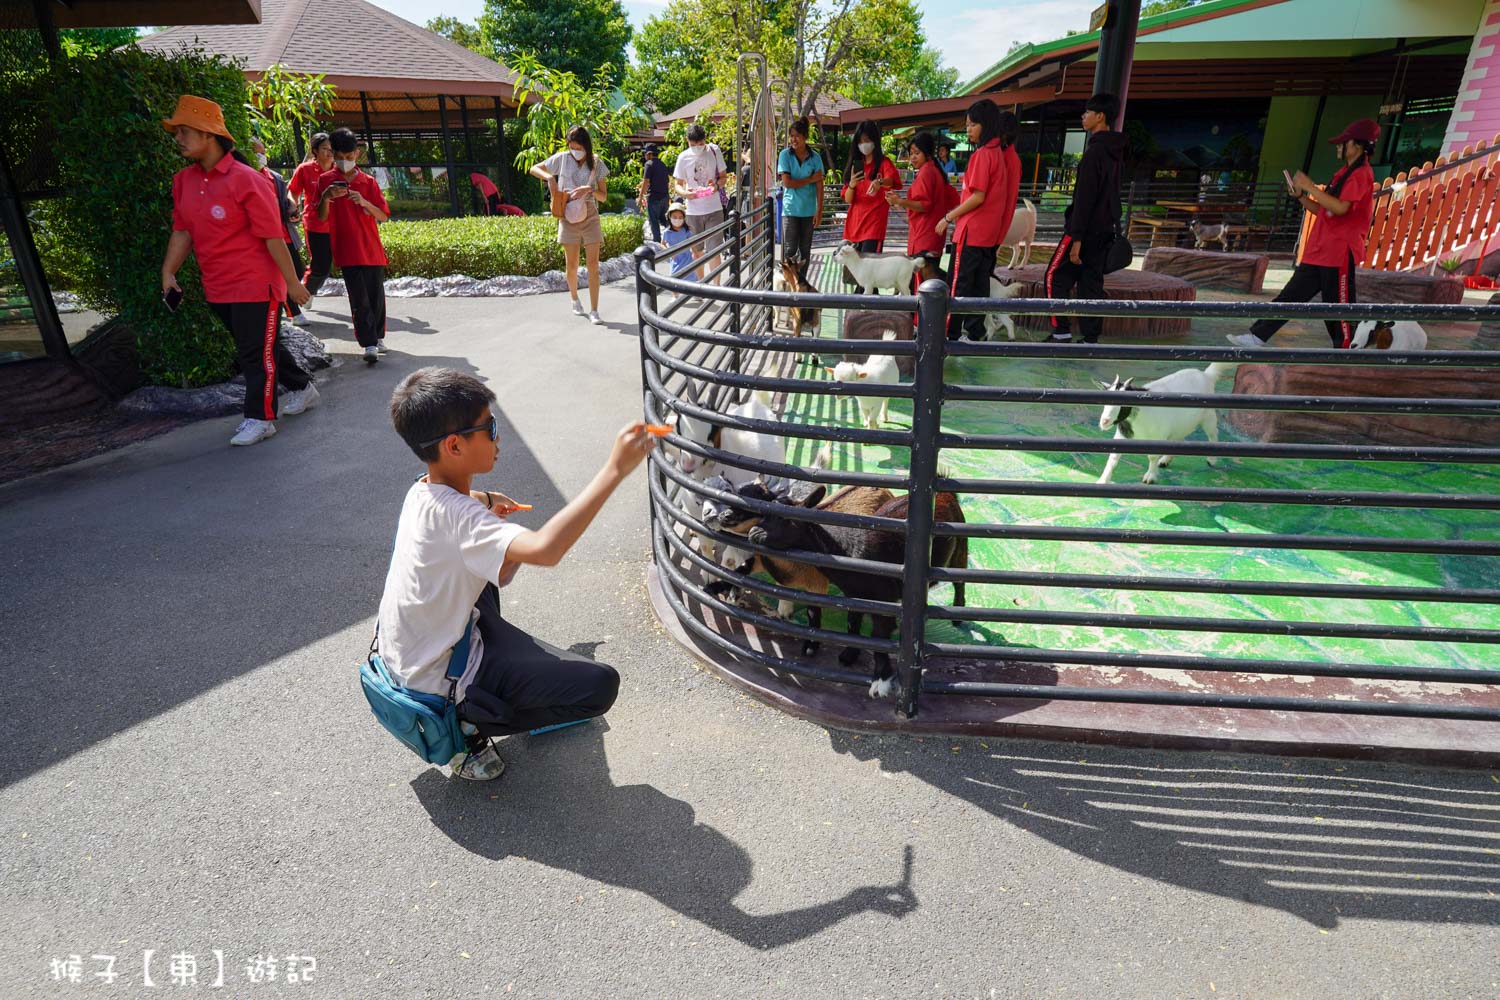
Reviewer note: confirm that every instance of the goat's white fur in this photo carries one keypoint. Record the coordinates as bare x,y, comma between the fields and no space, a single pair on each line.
1021,234
1406,335
876,271
751,444
879,369
994,321
1166,423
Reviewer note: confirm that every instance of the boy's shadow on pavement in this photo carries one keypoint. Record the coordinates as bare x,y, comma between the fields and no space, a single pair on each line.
654,844
1323,840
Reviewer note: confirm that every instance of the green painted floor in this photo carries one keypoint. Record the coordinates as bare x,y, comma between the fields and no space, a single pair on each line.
1238,563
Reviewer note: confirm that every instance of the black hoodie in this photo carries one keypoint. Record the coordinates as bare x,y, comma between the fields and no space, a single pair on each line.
1096,195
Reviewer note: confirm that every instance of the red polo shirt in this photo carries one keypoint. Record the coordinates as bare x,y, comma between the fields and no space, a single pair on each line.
230,212
304,185
1335,237
353,232
870,213
932,188
986,225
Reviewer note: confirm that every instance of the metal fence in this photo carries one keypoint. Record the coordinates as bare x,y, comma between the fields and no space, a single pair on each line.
715,344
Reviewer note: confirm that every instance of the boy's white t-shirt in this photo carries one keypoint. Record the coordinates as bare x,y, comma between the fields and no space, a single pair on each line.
448,547
700,167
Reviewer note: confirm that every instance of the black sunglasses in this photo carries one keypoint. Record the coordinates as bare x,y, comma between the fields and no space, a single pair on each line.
492,425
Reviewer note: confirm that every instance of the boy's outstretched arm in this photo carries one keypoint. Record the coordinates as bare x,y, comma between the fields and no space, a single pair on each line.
548,544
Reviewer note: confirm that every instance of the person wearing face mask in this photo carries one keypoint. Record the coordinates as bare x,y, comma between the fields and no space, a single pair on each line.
304,188
224,214
987,203
288,219
869,175
353,205
1336,244
801,171
928,200
698,177
577,171
678,231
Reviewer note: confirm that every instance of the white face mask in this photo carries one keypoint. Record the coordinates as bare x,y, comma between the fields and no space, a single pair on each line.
260,159
347,166
578,154
677,223
867,148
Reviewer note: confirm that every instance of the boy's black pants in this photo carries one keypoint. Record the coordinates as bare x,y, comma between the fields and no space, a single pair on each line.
1334,284
971,278
1064,277
523,683
320,261
256,329
365,284
291,307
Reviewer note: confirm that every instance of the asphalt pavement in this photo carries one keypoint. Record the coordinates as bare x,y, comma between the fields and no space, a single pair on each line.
191,770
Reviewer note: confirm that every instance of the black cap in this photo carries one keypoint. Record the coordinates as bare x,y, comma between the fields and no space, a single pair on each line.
651,147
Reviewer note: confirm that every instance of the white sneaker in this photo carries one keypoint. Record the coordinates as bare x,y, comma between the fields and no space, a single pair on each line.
299,320
252,431
486,765
380,347
372,354
1060,338
594,318
1245,340
577,308
300,401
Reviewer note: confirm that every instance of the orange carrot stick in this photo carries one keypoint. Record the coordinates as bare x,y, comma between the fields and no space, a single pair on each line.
660,430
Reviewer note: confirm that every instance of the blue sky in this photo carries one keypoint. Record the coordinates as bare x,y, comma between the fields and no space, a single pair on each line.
971,36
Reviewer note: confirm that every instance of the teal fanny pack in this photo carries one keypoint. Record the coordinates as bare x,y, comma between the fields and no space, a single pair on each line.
427,723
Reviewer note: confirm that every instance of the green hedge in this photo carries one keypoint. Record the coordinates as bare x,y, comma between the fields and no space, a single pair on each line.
107,234
483,247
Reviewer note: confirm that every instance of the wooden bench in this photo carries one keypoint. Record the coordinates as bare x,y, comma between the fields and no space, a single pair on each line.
1237,272
1404,286
1156,232
1127,284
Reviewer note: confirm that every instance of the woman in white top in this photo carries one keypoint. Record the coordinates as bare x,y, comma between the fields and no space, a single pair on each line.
580,175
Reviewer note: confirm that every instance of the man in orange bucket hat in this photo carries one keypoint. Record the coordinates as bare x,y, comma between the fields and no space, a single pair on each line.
224,213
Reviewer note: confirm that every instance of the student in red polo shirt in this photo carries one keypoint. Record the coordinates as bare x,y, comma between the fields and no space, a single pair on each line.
930,197
352,204
870,174
983,215
224,213
304,185
1336,244
288,219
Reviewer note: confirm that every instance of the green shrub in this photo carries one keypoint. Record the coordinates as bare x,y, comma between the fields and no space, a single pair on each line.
107,233
482,247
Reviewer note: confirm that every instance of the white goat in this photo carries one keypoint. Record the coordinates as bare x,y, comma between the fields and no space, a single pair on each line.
877,368
878,270
994,321
1162,423
751,444
1398,335
1021,234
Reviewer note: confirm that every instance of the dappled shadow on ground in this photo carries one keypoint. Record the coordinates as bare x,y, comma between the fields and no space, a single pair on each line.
561,808
1322,840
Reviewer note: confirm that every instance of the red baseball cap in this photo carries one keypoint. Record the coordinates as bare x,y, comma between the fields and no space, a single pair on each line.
1364,130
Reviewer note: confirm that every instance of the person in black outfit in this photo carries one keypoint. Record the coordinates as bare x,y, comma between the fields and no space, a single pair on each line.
656,189
1091,220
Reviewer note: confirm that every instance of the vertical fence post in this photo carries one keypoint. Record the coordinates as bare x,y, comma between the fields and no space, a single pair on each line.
926,423
736,263
645,297
1129,210
768,279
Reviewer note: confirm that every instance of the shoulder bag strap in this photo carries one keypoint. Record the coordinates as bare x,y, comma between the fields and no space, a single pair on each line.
458,660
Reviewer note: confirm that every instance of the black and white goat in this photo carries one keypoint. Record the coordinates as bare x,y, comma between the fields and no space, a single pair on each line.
1162,423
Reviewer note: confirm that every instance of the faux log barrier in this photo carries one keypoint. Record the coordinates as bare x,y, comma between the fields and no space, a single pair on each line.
1127,284
870,325
1403,286
1366,428
1236,272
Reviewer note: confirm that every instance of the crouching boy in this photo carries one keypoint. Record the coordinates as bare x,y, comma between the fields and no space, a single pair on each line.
454,550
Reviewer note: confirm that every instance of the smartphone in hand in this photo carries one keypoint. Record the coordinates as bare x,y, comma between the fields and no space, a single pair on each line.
1291,188
173,298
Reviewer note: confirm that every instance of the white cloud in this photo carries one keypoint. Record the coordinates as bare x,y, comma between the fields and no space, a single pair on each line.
974,40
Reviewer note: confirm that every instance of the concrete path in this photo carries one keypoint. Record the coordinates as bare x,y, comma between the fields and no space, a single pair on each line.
191,768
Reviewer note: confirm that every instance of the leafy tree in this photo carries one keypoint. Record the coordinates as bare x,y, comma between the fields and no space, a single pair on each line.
672,62
283,103
562,101
1163,6
466,34
88,41
569,36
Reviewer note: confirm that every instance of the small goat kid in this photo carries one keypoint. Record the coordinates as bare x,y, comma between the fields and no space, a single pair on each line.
1203,235
1021,235
1162,423
879,369
751,444
994,321
1385,335
800,318
878,270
